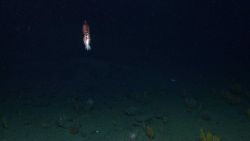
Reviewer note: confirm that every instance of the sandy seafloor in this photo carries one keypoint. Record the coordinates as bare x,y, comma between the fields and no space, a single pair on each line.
99,101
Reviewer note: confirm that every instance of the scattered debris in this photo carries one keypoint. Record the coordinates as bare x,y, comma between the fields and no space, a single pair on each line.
150,133
132,136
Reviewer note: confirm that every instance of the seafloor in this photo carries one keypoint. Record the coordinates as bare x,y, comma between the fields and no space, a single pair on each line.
95,100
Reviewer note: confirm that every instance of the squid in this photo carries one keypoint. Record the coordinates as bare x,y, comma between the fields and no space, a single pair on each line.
86,35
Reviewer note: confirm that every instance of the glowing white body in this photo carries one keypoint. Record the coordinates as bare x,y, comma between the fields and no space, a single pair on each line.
86,35
86,41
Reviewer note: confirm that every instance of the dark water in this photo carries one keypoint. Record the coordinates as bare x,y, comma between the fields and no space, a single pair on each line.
157,70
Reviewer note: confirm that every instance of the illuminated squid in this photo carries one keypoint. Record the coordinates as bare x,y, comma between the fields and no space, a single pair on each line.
86,35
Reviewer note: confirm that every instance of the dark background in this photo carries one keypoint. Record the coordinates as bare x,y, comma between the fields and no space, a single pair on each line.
164,34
